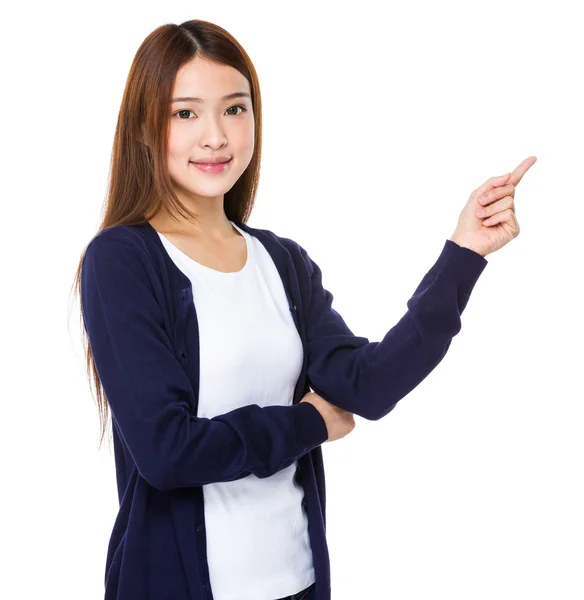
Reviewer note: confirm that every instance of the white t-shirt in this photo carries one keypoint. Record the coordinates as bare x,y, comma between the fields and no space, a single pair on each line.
258,546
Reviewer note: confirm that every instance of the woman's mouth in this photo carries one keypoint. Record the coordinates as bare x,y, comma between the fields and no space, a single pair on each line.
213,168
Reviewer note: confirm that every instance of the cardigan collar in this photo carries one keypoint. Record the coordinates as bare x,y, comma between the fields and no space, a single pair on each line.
279,253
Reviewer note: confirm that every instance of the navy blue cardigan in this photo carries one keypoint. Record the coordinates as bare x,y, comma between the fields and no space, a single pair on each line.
140,317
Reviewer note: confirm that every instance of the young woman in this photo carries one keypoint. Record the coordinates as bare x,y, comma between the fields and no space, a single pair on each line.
205,337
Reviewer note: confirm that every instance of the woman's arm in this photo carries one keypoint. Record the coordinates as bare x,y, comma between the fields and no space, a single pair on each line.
369,378
151,397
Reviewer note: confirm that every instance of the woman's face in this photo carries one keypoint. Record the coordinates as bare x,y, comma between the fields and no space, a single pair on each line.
212,127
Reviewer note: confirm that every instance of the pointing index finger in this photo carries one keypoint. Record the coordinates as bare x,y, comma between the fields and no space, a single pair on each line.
520,171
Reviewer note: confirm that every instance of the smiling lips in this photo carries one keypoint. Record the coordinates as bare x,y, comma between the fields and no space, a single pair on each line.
212,167
213,159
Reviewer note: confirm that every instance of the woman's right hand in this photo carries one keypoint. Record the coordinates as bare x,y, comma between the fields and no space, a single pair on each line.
338,422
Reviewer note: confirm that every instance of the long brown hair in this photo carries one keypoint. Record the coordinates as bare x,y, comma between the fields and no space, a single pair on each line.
139,182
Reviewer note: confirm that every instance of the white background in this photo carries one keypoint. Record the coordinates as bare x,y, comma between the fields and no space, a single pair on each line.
379,121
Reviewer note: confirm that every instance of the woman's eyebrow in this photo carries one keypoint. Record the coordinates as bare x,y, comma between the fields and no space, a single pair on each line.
194,99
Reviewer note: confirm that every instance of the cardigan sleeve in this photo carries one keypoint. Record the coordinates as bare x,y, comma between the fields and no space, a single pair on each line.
150,394
369,378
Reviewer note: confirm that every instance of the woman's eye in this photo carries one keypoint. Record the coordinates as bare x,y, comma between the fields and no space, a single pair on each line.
187,111
243,109
184,110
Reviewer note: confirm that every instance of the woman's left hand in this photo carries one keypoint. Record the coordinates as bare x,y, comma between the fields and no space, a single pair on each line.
488,220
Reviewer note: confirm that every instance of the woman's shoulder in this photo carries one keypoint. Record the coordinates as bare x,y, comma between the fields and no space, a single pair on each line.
262,233
122,235
129,244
